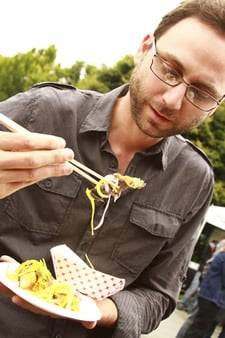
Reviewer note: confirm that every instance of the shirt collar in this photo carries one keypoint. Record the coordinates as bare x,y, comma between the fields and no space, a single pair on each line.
161,150
99,117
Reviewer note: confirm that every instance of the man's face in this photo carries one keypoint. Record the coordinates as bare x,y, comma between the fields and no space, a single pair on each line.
197,53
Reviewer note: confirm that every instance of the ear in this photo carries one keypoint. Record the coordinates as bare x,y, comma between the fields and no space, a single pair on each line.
144,47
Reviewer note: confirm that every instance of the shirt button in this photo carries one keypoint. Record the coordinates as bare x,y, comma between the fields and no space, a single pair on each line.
84,246
113,163
48,183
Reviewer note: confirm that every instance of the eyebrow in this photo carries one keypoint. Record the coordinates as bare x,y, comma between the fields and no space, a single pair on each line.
211,90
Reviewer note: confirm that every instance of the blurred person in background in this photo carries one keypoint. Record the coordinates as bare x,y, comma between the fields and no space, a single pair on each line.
188,301
211,299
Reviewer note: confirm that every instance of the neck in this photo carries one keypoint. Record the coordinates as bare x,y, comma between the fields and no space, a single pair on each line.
125,137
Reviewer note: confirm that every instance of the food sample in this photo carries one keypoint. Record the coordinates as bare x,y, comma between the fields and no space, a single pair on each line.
112,186
34,277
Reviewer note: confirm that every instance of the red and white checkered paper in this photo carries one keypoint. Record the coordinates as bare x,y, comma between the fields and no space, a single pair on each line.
69,268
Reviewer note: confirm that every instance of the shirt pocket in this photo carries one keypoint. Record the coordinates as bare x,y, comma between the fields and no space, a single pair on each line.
42,207
143,237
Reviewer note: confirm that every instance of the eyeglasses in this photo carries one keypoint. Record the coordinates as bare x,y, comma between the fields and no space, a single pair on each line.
197,97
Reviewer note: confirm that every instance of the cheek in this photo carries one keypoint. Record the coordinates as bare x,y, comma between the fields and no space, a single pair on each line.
147,81
149,85
155,87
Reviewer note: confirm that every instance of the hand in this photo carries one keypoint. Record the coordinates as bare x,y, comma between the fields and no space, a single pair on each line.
26,158
3,288
107,308
16,299
109,312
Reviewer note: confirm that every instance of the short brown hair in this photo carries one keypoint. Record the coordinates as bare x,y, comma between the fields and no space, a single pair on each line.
210,12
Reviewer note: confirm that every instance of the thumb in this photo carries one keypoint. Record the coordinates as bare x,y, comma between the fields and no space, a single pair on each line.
89,325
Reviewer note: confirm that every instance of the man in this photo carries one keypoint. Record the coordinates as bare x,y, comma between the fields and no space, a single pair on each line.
148,235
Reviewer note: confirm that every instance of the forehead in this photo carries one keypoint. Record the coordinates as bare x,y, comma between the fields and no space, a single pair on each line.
199,48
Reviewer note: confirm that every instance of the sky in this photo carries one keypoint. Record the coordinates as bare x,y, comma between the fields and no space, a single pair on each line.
94,31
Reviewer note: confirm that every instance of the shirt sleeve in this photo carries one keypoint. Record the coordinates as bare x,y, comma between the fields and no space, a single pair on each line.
138,308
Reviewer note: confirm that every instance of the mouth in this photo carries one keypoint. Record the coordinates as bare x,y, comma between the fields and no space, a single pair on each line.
158,116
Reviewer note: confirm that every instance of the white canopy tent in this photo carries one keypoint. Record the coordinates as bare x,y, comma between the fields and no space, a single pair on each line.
216,216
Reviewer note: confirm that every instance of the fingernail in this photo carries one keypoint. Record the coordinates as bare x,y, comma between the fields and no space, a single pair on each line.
67,168
60,142
69,154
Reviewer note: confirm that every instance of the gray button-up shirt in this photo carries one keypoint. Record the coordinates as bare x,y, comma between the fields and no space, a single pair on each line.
148,235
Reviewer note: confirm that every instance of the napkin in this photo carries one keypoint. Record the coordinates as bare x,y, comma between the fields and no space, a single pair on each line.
70,268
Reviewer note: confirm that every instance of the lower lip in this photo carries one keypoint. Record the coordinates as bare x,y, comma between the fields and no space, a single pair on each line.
157,117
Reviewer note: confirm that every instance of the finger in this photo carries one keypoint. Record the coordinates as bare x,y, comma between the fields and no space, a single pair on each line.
8,189
89,325
26,141
34,159
27,306
6,291
8,259
3,288
37,175
30,176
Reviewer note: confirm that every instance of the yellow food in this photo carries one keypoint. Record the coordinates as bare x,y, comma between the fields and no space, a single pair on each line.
112,186
34,276
129,182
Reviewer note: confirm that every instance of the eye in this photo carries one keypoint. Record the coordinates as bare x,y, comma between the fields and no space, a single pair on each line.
195,93
169,74
171,77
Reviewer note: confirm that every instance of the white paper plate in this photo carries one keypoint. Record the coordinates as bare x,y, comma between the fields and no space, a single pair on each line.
88,311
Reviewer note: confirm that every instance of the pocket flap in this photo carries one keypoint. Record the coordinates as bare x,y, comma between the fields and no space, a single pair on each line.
156,222
67,186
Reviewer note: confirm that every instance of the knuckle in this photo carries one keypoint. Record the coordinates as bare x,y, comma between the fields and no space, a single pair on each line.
27,141
32,161
58,156
31,175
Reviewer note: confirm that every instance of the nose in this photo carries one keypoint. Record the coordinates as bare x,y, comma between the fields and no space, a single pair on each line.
174,96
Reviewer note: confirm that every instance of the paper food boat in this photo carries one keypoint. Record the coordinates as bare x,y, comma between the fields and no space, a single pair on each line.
70,268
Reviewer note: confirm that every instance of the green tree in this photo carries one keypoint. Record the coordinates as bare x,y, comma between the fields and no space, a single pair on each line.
21,71
209,136
106,78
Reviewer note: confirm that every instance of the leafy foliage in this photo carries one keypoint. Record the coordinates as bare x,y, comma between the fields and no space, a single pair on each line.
105,78
20,72
209,136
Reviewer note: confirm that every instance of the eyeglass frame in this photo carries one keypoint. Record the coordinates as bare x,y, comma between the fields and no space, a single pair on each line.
181,80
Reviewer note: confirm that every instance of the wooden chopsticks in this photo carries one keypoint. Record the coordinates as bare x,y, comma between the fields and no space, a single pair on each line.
81,169
11,125
78,167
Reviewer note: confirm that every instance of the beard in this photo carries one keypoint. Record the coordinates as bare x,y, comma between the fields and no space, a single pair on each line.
139,99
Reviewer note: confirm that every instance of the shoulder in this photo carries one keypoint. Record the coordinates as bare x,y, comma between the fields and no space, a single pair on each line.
192,167
47,105
189,148
56,85
63,91
220,257
192,162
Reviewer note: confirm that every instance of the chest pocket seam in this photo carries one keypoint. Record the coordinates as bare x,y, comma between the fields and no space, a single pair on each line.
144,219
67,190
58,199
155,221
